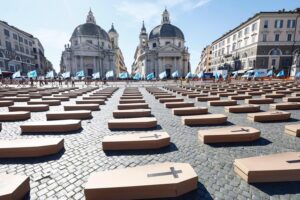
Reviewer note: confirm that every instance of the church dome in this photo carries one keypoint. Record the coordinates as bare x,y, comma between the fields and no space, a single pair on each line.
89,29
166,31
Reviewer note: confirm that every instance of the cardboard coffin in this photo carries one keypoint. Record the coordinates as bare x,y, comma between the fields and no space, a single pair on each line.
230,134
31,108
240,97
259,101
133,106
166,100
57,126
91,101
92,107
61,98
133,123
6,103
146,140
208,98
126,101
13,187
189,111
293,129
48,102
178,104
207,119
14,116
285,106
222,103
269,116
291,99
143,182
132,113
78,114
280,167
242,108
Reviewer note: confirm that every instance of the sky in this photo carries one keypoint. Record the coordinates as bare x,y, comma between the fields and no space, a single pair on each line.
202,21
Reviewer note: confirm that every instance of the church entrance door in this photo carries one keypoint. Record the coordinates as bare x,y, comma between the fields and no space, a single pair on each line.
168,71
90,72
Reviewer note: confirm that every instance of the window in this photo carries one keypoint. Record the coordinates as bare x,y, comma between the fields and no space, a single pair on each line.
8,45
75,42
154,45
276,37
6,32
15,36
233,46
246,31
278,23
275,52
253,38
20,39
228,49
25,41
228,40
291,23
30,43
27,51
254,27
264,39
234,36
246,41
179,44
289,37
266,24
240,34
16,47
22,49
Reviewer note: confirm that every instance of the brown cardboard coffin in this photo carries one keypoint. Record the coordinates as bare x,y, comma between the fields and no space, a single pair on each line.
285,106
96,97
61,98
280,167
15,99
208,98
189,111
91,101
133,106
36,147
259,101
131,97
57,126
126,101
269,116
77,114
242,108
132,113
166,100
165,96
92,107
178,104
133,123
240,97
208,119
143,182
197,95
145,140
222,103
6,103
274,96
48,102
291,99
293,129
31,108
230,134
14,116
13,187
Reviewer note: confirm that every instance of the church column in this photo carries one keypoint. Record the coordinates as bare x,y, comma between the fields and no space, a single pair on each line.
75,64
94,68
81,62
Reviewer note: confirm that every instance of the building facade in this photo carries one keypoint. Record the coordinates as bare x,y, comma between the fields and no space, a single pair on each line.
266,40
20,50
92,50
204,64
163,50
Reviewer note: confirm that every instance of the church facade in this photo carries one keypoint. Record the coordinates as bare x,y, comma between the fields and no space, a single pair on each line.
163,50
92,50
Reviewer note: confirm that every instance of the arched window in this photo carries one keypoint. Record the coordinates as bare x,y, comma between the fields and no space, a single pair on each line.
18,58
154,45
275,52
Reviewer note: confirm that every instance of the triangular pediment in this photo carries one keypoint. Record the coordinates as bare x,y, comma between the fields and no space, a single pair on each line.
86,47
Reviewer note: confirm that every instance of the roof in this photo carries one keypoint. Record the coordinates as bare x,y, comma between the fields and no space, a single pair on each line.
166,30
90,29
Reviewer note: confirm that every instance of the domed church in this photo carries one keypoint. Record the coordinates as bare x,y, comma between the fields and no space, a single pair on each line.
92,50
163,50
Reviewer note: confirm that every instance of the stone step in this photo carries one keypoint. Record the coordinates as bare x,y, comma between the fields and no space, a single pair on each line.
149,182
147,140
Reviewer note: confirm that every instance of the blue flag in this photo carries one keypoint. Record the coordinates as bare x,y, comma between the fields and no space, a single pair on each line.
270,73
297,75
32,74
137,76
96,75
123,75
200,75
50,74
150,76
80,73
281,73
16,74
175,74
109,74
66,75
217,76
163,75
189,75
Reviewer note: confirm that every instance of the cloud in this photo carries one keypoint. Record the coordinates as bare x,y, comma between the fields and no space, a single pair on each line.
201,3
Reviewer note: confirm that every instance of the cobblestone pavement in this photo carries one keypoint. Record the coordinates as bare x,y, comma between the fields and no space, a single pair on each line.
63,176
